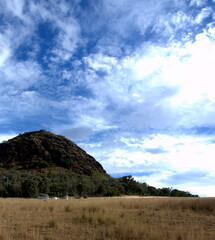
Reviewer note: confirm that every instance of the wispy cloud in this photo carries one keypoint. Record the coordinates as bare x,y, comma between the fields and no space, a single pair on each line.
198,3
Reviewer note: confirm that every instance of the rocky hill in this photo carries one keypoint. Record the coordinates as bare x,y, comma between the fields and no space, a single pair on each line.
42,162
43,149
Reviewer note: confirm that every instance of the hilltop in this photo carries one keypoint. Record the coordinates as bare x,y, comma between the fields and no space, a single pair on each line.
45,150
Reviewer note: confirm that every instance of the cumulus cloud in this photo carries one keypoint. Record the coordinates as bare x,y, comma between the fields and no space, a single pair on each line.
156,82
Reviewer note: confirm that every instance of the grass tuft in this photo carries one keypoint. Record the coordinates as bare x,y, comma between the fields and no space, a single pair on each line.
68,208
52,223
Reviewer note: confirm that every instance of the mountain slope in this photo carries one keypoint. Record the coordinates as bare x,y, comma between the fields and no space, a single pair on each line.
43,149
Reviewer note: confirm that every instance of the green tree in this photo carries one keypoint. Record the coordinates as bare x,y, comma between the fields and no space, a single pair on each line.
44,185
152,191
101,191
81,189
29,188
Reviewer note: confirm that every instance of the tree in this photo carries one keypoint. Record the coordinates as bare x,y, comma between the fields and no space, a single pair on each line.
81,189
101,191
29,188
152,191
44,185
129,184
164,192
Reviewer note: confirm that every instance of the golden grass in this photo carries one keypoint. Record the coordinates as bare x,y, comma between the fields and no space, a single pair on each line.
108,218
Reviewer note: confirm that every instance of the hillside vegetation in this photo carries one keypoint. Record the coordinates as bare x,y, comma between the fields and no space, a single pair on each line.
42,162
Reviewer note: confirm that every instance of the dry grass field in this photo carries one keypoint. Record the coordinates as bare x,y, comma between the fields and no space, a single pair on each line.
108,218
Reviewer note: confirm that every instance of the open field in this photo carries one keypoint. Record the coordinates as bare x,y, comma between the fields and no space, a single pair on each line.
108,218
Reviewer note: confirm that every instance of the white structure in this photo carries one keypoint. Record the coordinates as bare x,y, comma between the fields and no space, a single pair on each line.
65,197
42,196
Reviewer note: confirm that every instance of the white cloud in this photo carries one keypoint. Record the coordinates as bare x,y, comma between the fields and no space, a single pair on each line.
15,7
154,180
198,3
187,156
60,15
5,137
5,51
133,91
18,105
19,75
181,19
195,72
69,36
153,78
6,45
148,65
168,19
101,62
181,152
29,16
203,191
95,123
112,46
205,12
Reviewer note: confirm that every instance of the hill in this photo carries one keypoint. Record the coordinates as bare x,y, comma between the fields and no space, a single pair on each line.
43,149
43,162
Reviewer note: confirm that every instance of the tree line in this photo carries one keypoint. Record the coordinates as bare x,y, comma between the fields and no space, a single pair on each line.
29,184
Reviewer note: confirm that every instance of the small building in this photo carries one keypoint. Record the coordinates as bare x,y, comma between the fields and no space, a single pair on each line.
42,196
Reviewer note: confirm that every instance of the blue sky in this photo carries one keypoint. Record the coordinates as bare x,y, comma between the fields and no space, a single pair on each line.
131,82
